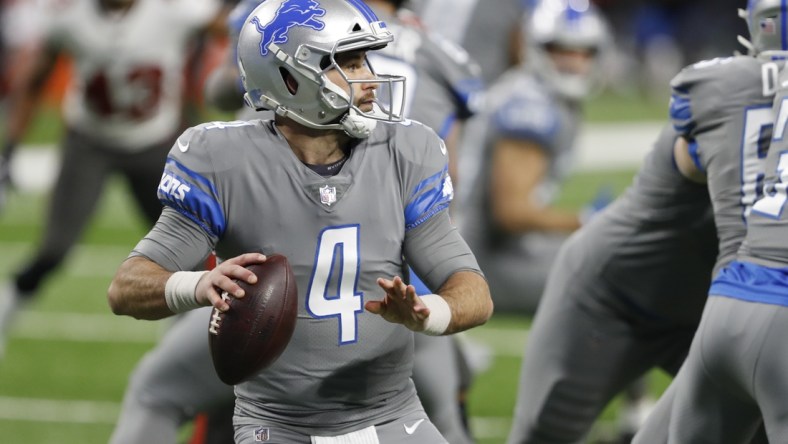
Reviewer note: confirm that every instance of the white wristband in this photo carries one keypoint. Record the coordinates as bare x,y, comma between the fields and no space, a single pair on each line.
179,292
440,314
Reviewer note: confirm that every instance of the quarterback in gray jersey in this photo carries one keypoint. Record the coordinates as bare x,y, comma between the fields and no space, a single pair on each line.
723,109
533,116
344,199
439,92
624,295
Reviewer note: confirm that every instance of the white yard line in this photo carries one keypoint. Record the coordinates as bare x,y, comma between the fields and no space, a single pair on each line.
50,410
84,261
78,327
601,146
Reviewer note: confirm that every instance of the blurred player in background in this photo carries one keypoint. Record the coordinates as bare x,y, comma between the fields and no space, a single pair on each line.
723,110
624,295
122,112
345,376
19,28
533,115
441,86
490,31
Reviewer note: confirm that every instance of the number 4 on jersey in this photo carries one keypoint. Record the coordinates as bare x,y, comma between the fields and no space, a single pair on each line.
332,289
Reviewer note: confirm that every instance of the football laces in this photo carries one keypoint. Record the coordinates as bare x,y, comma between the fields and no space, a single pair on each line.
216,317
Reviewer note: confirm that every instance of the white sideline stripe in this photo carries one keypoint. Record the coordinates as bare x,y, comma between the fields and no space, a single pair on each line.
50,410
503,341
78,327
85,260
489,427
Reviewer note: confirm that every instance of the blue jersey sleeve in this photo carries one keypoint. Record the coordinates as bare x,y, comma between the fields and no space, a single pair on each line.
187,184
429,188
528,118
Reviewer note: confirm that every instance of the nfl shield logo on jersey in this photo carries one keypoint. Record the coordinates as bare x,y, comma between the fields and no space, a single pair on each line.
261,434
328,195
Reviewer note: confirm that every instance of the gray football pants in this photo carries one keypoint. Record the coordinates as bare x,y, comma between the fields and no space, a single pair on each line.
580,353
733,381
84,171
412,428
171,384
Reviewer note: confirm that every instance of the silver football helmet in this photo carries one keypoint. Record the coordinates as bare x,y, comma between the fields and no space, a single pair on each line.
297,40
765,21
567,24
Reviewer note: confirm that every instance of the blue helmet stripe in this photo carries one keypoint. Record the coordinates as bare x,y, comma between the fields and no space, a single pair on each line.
572,14
784,19
365,10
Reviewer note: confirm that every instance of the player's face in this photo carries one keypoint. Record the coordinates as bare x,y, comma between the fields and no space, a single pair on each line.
354,65
571,60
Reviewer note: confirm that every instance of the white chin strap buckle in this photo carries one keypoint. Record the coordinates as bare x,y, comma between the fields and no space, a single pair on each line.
358,126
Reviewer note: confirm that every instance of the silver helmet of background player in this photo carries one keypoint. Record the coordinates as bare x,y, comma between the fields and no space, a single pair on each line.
299,39
568,25
767,29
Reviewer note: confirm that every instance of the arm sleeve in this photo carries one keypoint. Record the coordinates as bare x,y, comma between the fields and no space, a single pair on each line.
428,190
175,242
189,185
533,119
435,250
696,92
432,246
460,74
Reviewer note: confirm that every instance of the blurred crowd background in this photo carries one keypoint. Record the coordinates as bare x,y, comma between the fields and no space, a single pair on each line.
653,38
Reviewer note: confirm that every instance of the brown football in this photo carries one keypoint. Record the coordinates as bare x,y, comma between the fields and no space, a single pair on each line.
257,328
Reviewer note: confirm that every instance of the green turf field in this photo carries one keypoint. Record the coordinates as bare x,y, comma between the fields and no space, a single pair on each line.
68,358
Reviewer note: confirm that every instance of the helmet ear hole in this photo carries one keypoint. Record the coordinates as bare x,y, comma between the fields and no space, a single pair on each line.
290,82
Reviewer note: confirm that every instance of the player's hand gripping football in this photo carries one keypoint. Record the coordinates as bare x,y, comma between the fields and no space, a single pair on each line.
401,305
221,278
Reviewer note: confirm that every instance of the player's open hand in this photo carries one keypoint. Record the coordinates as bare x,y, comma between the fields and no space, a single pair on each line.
222,278
401,305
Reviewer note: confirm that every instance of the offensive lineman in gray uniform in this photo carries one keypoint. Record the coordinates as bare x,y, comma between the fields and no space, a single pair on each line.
723,110
624,295
737,362
533,114
441,86
324,168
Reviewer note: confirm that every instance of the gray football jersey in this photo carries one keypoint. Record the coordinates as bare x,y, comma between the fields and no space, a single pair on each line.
654,247
442,84
519,107
723,108
237,187
484,29
767,231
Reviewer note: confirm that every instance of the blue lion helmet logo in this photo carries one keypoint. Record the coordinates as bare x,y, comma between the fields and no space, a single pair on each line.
290,13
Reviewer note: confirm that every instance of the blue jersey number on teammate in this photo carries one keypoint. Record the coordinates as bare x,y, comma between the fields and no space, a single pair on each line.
753,155
775,194
333,287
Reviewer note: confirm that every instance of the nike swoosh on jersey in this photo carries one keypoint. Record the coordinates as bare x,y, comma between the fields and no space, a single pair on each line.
183,146
410,430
